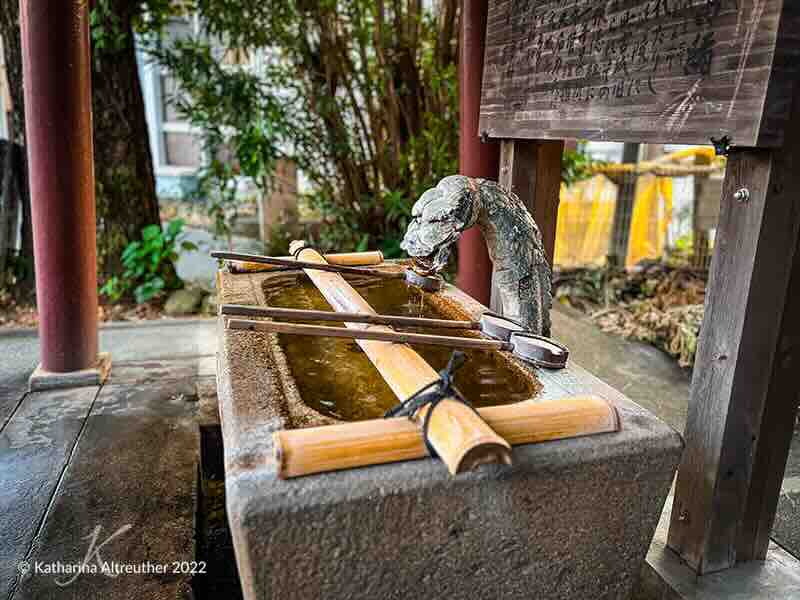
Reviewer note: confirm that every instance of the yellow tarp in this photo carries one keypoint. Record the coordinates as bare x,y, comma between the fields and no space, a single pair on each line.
586,214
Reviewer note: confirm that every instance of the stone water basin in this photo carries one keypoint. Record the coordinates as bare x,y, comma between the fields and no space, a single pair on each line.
339,381
570,519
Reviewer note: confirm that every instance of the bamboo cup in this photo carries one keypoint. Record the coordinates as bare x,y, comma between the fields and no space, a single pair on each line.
334,447
460,437
346,259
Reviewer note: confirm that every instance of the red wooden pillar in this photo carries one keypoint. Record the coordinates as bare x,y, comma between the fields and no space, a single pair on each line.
476,159
58,125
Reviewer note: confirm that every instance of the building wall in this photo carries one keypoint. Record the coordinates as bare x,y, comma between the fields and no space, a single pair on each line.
175,146
5,98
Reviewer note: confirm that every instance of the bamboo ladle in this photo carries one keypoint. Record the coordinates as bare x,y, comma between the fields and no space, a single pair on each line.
347,259
241,310
299,264
493,325
540,351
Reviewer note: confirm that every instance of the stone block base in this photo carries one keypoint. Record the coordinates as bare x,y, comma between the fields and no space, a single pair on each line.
48,380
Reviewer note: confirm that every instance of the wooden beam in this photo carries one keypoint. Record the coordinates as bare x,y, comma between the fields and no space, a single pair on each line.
777,427
532,170
745,386
461,438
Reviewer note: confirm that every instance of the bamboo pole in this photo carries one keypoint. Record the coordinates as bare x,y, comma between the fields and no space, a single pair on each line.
274,312
292,263
348,259
372,333
460,437
334,447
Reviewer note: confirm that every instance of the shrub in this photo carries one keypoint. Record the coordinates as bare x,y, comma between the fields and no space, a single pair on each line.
149,264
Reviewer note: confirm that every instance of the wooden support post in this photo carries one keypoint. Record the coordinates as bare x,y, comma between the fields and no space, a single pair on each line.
700,220
461,438
745,386
777,426
56,62
477,157
532,170
623,210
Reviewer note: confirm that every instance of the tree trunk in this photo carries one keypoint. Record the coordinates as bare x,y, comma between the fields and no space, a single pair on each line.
15,174
9,31
125,188
125,184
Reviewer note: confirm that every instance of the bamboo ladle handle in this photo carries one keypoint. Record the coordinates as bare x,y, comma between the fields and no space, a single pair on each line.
299,264
369,333
275,312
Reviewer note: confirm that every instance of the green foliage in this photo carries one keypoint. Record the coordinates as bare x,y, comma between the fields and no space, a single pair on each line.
278,241
363,96
242,124
108,20
149,264
576,165
107,28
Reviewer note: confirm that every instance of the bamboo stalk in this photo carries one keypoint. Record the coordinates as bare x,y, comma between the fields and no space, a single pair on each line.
334,447
326,315
349,259
298,264
395,337
460,437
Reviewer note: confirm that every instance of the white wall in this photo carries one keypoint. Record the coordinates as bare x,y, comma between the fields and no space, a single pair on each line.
5,97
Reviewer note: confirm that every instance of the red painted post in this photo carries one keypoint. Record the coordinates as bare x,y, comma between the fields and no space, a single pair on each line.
58,125
476,159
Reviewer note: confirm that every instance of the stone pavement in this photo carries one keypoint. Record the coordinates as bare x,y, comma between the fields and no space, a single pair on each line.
653,380
107,472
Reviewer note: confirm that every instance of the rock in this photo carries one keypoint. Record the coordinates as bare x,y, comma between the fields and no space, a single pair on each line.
183,302
209,305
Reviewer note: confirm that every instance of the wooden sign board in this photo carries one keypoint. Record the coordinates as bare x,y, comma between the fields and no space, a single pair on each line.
658,71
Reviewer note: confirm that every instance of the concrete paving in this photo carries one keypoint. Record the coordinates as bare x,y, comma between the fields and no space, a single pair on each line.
117,456
667,577
131,483
642,372
165,338
198,267
107,473
655,381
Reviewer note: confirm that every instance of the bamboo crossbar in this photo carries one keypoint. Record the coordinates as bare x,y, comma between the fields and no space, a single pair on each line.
396,337
301,452
349,259
326,315
460,437
298,264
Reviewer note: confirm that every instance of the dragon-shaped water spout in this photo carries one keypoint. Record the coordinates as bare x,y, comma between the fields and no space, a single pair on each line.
522,274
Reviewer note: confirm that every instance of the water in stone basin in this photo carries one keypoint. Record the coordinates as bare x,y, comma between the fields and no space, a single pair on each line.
336,378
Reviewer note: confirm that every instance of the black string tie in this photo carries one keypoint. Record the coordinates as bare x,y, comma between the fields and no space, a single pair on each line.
433,394
297,252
